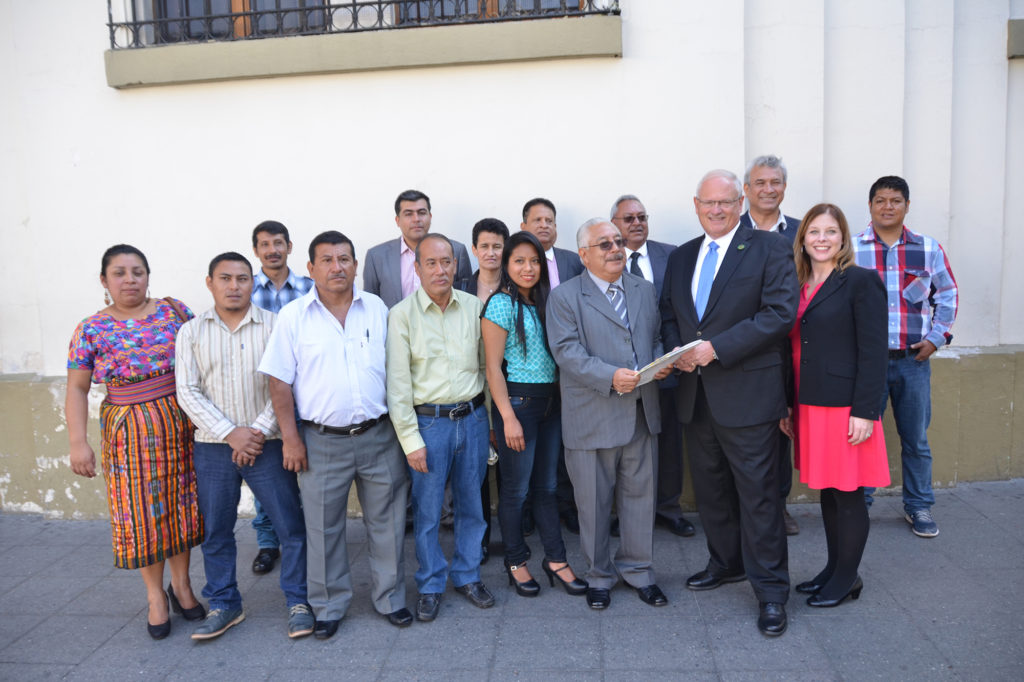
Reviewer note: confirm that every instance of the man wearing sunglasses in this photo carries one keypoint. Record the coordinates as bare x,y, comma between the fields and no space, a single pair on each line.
735,290
602,326
647,258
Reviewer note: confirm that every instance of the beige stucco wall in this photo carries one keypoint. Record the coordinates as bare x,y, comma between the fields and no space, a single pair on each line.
976,435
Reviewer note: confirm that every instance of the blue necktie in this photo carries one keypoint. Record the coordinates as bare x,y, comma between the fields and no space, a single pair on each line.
707,278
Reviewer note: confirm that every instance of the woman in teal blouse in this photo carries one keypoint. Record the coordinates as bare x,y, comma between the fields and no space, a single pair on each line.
526,412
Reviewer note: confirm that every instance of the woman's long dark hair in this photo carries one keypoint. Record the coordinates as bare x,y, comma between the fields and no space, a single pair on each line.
540,290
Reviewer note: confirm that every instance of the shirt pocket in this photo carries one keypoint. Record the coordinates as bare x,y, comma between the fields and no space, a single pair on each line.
917,285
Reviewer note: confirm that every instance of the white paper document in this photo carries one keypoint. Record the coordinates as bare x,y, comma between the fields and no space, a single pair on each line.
647,373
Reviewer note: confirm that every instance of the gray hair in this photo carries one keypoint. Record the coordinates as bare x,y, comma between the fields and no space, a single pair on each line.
624,197
583,233
766,161
720,173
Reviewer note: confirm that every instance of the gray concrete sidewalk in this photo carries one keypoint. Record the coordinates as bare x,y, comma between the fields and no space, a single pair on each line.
948,608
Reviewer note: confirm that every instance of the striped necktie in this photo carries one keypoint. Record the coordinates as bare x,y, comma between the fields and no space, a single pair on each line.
618,300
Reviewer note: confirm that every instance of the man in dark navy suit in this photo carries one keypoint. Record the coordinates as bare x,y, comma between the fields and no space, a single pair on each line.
764,185
648,258
735,291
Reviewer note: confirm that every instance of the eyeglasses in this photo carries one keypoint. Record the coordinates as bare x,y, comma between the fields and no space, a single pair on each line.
724,203
638,218
607,245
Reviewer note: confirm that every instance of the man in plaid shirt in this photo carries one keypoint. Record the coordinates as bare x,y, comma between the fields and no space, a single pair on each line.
274,285
922,298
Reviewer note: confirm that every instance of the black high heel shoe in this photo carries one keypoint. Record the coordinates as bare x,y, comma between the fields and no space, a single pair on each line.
159,631
197,612
528,588
576,586
854,593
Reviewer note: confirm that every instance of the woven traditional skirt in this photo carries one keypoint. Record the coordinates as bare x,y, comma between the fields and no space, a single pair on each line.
151,483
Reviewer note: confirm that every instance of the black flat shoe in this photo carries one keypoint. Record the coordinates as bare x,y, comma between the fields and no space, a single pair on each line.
771,621
427,607
598,598
652,595
818,601
325,629
575,587
197,612
527,588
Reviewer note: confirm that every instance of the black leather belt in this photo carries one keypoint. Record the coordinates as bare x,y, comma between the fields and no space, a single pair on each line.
902,353
454,412
350,430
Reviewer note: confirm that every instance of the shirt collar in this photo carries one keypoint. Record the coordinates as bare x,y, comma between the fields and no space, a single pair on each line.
723,242
263,280
908,237
403,248
424,301
211,315
311,296
642,251
603,284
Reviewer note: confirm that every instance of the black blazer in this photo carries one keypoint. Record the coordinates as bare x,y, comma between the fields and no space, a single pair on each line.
843,344
751,308
789,231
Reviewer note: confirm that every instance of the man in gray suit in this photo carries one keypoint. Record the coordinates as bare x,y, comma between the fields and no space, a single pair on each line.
764,185
647,258
389,271
602,326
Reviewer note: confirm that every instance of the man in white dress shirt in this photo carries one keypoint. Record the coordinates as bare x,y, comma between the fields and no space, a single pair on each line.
326,359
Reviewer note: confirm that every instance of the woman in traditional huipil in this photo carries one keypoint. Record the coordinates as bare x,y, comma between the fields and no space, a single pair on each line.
146,438
839,352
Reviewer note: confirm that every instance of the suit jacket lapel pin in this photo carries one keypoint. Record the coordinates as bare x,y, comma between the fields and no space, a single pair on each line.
740,247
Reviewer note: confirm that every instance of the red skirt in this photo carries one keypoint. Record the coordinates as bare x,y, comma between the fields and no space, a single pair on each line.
826,459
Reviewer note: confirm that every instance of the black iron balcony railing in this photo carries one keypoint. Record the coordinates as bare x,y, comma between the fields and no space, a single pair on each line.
142,23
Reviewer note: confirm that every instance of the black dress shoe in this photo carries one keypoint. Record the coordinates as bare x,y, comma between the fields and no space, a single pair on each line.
598,598
427,607
478,594
572,523
400,618
809,587
264,561
772,619
817,600
614,529
706,580
325,629
680,526
652,595
197,612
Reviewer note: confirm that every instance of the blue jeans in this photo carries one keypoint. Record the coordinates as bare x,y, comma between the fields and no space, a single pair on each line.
533,470
218,484
910,389
266,538
458,448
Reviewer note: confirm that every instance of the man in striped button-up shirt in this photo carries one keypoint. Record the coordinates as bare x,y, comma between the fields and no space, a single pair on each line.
237,438
922,301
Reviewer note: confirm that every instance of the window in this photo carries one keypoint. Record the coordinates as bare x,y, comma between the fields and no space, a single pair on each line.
140,23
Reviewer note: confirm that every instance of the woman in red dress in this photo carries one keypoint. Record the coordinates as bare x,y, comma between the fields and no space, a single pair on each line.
839,353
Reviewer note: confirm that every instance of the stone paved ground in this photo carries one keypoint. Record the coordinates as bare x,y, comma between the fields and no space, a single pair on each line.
948,608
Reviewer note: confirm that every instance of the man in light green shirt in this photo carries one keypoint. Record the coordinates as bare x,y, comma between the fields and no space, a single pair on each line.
435,381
